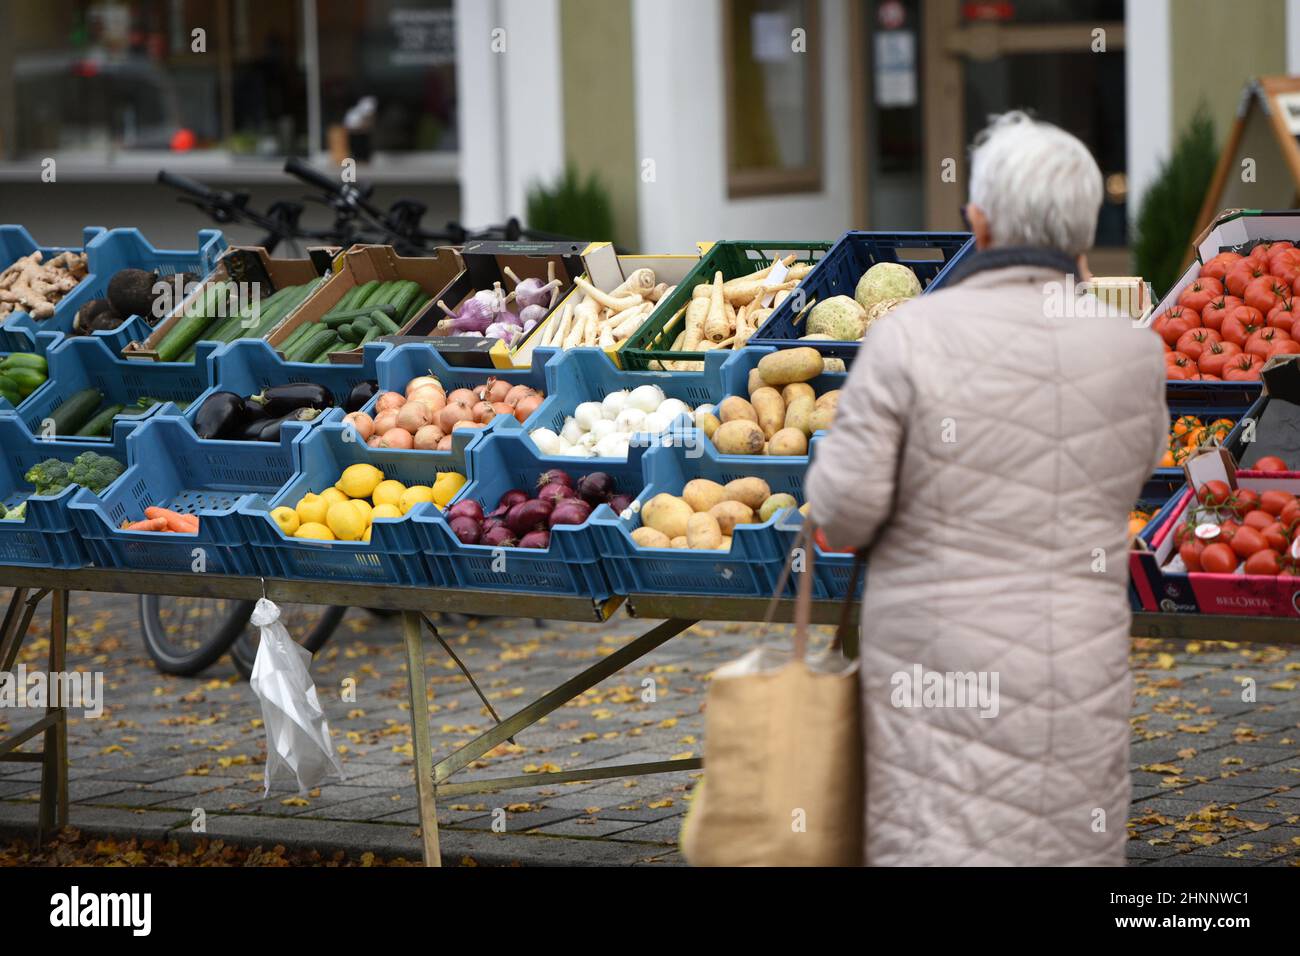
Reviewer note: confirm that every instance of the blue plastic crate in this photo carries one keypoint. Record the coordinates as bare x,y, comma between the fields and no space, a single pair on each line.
413,359
246,366
169,466
46,538
1170,479
1212,394
107,252
394,553
15,243
21,340
86,362
753,563
498,462
931,255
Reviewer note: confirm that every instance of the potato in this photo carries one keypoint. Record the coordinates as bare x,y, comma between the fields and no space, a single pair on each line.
774,504
791,365
755,381
734,408
767,402
749,491
680,541
788,441
702,494
728,514
799,415
797,390
739,437
829,399
821,419
726,543
650,538
667,514
703,533
707,423
835,365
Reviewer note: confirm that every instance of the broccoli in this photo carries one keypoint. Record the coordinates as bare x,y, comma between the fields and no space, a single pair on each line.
18,513
49,476
94,471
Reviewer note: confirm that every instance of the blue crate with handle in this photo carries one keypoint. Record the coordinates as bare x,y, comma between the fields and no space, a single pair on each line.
571,565
412,360
21,340
107,253
85,362
393,555
45,538
931,255
752,565
17,243
170,467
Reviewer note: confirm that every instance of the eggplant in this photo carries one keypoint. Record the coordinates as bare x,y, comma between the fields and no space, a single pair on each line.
220,415
270,429
361,393
280,400
254,412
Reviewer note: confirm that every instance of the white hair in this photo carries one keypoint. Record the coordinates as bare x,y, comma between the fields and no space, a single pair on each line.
1037,184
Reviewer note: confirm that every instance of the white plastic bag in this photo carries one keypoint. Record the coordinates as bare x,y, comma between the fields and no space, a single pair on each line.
297,733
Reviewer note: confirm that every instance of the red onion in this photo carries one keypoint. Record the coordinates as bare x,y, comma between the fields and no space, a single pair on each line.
596,487
511,498
555,491
498,536
621,503
469,508
554,476
570,512
536,539
529,515
466,529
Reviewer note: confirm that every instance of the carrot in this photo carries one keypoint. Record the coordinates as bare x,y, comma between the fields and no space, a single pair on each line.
148,524
175,521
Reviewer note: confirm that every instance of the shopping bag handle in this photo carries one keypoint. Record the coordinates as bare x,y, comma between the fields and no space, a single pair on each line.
803,594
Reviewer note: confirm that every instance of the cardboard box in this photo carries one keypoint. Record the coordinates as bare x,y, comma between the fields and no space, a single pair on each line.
606,270
239,263
1131,295
362,264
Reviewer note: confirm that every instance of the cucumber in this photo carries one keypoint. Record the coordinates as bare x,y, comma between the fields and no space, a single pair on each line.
371,334
417,306
365,293
363,324
76,411
101,423
9,390
335,319
188,329
296,336
25,360
346,302
28,380
313,345
402,300
386,325
345,333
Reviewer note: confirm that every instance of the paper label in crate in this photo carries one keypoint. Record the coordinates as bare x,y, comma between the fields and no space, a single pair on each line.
774,278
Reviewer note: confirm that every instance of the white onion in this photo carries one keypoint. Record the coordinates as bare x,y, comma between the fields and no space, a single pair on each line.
571,431
587,440
603,428
614,403
587,414
646,397
672,407
547,442
612,446
630,420
656,423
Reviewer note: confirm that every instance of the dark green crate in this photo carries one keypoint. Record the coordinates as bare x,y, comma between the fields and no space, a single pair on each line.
734,258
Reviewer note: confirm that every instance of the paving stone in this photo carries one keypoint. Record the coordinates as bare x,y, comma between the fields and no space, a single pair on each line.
661,831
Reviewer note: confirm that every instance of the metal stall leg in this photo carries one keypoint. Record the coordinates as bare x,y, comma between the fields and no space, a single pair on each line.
419,687
54,759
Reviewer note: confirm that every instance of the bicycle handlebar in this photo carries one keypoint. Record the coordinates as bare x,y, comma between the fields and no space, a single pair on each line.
187,185
312,176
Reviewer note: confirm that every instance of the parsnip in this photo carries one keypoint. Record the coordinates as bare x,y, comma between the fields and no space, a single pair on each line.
716,326
696,314
640,282
609,302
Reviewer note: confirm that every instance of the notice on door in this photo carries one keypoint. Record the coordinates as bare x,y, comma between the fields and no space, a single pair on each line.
895,69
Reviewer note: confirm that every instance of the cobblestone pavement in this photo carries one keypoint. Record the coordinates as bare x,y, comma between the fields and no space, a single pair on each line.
1216,779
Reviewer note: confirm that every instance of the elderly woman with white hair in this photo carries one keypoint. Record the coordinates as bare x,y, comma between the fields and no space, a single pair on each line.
987,450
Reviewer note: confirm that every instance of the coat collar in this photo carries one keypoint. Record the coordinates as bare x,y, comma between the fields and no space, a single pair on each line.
1003,259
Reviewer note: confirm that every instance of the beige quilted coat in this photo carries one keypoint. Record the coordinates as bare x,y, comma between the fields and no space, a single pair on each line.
992,454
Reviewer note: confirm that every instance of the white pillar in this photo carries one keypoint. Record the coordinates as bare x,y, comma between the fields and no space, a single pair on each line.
1149,94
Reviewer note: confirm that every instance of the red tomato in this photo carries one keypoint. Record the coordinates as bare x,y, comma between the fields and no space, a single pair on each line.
1285,264
1218,266
1284,347
1264,561
1289,513
1266,292
1244,501
1247,540
1276,536
1214,493
1259,519
1273,501
1243,274
1269,463
1262,341
1212,315
1178,360
1173,323
1191,342
1242,368
1218,558
1190,552
1176,373
1240,324
1281,316
1200,293
1217,355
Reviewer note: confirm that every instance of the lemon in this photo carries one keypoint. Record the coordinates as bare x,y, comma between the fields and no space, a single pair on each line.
445,487
362,506
332,496
287,519
346,521
385,511
388,492
414,495
359,481
315,531
366,537
311,509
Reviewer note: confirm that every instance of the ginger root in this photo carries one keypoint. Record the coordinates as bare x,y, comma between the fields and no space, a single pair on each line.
35,286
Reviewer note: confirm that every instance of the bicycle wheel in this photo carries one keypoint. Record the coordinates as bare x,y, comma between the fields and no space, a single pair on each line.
185,635
309,624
